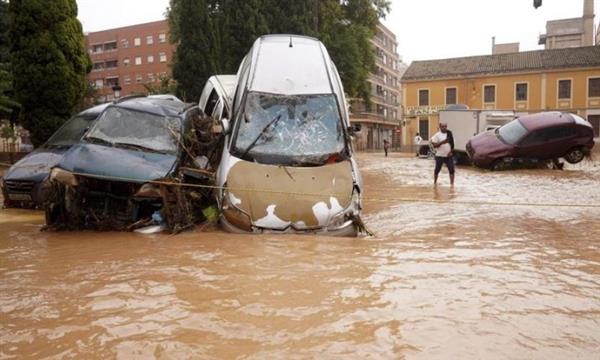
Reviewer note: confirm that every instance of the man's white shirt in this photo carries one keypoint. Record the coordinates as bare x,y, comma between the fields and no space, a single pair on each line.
444,149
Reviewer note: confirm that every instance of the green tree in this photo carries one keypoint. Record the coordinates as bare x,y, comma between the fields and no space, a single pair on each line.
196,57
166,85
49,63
8,106
224,30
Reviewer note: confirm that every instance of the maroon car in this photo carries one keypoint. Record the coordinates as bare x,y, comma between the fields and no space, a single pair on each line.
533,138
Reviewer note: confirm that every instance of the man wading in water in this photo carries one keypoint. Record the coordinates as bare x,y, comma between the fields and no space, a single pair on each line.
443,142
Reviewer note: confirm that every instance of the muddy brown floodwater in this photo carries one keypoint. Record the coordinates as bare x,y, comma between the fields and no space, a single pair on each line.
461,274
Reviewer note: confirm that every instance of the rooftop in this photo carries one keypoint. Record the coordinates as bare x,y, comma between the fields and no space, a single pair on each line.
588,56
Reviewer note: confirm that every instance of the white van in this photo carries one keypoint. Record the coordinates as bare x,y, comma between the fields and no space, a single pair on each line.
287,163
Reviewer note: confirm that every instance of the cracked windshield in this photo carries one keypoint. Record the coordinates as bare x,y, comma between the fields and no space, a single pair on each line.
301,126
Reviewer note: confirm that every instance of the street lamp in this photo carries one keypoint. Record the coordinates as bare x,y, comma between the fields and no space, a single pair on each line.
117,91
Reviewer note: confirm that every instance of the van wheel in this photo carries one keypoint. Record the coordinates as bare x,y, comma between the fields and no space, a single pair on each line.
575,155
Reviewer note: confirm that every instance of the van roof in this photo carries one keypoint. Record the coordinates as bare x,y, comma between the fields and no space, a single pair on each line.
290,65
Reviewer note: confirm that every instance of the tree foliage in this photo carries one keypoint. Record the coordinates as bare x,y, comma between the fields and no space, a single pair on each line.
49,63
229,27
8,106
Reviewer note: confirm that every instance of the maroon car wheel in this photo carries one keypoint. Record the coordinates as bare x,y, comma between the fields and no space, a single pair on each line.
575,155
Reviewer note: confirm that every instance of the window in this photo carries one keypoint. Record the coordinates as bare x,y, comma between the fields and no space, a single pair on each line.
162,37
112,64
127,80
594,87
138,79
124,43
549,134
137,42
564,89
126,62
489,93
98,66
163,57
113,81
110,46
424,128
150,59
521,92
138,60
97,48
150,78
450,96
99,83
149,40
423,97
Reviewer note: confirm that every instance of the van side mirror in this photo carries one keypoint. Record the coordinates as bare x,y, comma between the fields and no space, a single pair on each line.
354,128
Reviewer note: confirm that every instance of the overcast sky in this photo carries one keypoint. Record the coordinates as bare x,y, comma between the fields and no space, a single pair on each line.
426,29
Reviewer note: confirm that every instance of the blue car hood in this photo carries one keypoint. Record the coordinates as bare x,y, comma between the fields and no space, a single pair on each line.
35,166
116,163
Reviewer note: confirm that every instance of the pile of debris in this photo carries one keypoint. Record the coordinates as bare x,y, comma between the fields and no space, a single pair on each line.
182,199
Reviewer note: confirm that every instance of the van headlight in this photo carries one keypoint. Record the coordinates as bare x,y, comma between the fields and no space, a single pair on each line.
64,177
345,216
233,215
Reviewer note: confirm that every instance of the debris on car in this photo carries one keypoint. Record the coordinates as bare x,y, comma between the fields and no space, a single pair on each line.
146,162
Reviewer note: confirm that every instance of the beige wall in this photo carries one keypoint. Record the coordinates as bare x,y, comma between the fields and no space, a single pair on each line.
542,95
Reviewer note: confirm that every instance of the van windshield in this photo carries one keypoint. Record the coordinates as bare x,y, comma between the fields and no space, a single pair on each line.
290,130
512,132
128,128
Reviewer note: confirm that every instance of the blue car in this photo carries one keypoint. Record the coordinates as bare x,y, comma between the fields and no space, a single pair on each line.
21,185
108,180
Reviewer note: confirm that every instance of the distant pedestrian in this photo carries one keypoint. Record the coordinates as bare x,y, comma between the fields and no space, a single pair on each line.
443,142
417,141
386,146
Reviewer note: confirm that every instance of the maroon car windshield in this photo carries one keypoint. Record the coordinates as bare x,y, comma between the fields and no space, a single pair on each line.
512,132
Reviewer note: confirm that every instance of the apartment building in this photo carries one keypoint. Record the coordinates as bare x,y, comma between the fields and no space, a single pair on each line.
381,120
574,32
126,58
525,82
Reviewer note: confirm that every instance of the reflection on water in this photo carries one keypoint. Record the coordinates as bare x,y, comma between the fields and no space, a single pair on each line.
440,280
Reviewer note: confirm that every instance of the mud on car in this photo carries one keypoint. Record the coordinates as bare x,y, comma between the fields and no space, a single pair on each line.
126,171
287,163
533,139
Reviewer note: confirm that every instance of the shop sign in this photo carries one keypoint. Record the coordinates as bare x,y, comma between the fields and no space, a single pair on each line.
424,110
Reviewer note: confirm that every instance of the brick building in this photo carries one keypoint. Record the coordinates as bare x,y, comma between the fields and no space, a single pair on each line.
382,120
126,58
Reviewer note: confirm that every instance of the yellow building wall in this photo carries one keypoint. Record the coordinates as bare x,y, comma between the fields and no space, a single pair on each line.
470,92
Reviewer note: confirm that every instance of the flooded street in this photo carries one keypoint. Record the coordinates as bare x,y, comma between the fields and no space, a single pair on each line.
503,265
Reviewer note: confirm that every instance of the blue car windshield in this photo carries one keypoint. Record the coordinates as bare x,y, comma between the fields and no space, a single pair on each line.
122,127
304,128
512,132
71,132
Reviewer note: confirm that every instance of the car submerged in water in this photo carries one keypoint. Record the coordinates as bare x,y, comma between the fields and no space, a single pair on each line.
531,139
108,181
22,183
287,163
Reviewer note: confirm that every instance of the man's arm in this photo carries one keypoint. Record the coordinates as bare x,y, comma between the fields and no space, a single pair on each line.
437,144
